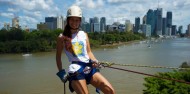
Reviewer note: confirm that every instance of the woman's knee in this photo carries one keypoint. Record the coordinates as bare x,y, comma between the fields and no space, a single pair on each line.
80,86
106,89
110,91
81,92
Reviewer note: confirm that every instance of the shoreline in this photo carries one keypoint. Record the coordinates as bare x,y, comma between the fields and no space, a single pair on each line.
119,44
100,46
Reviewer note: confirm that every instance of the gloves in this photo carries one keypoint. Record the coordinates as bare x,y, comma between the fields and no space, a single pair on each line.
62,75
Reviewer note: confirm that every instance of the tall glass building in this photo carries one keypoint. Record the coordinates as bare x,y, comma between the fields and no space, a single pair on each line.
91,21
103,24
51,22
60,22
150,19
188,30
159,21
169,19
164,25
137,24
174,31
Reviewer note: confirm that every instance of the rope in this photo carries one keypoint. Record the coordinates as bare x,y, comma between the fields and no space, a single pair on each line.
171,79
64,89
110,64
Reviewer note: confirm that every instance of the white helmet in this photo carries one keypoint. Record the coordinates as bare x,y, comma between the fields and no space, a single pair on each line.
74,11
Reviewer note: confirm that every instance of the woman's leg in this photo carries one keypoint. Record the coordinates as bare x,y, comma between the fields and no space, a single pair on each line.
79,86
102,83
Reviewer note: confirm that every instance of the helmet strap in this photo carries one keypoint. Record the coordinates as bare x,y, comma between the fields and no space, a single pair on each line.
74,28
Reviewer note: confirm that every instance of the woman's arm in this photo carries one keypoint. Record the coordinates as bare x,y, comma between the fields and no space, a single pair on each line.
91,55
59,50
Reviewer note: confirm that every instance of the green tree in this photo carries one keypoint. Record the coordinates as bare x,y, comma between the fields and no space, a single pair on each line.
16,40
15,34
109,38
3,35
159,86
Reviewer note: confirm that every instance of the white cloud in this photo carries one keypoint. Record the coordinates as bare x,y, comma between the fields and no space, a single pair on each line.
100,3
31,5
127,1
36,5
12,10
34,14
7,15
27,21
119,1
90,3
30,11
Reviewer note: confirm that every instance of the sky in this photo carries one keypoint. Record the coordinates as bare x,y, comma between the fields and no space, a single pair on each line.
32,12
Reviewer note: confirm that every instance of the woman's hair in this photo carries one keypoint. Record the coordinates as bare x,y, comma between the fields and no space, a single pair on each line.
68,36
67,29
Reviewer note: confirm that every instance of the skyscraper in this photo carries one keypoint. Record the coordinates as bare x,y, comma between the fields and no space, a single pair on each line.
42,26
7,26
169,19
82,24
146,29
159,21
103,24
188,30
83,19
144,20
164,24
86,27
60,22
96,20
91,21
180,29
150,19
173,30
128,26
137,24
96,25
15,22
169,23
51,22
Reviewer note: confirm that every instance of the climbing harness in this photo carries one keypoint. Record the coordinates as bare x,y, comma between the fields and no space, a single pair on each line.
86,70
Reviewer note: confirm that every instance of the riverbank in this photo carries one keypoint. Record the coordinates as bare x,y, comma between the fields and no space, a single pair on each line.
97,47
120,43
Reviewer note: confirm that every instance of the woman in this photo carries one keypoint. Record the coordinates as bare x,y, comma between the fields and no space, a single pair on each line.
82,70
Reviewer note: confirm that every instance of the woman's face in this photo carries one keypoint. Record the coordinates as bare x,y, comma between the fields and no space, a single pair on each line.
74,22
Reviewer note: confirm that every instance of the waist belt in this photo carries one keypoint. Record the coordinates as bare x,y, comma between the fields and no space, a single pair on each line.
83,63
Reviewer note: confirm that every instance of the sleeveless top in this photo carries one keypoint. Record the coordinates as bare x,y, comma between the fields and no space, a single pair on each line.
79,46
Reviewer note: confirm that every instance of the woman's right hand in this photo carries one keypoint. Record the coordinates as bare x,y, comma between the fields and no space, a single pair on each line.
62,75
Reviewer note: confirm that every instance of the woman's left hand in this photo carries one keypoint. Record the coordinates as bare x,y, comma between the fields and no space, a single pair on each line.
96,64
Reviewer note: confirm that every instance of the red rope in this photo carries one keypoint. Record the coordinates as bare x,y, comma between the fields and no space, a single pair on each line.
171,79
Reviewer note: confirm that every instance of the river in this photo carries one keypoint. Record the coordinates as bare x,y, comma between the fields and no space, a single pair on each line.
36,74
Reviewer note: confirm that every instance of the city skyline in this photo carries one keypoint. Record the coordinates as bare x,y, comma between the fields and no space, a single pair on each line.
33,12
